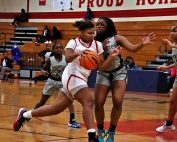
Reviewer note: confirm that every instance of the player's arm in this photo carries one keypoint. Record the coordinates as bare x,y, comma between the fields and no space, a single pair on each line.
40,55
169,43
171,66
104,64
46,67
164,68
134,48
70,55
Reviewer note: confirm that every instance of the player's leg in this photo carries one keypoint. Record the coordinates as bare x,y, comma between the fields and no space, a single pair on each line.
60,104
118,91
72,121
102,89
168,125
85,97
47,91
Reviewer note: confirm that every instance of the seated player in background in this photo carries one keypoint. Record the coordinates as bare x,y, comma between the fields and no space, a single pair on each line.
6,65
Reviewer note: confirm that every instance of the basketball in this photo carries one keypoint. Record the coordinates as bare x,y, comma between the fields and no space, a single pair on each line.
15,76
90,61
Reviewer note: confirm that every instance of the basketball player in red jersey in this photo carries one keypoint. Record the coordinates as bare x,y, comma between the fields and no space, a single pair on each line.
74,80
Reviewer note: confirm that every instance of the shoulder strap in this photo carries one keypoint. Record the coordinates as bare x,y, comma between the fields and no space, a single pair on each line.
96,46
76,43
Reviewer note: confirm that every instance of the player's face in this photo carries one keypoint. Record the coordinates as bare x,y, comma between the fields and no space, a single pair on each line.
130,61
48,47
5,54
58,49
87,35
101,26
173,32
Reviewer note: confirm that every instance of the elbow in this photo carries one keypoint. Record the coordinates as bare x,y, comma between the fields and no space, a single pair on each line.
101,69
133,50
67,60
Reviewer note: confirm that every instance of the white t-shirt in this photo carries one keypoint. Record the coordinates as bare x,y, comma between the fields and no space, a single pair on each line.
4,63
78,45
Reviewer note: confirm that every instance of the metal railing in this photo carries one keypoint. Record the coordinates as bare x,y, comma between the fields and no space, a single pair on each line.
30,61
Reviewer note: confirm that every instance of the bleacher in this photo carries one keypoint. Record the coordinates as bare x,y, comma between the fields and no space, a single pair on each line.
24,35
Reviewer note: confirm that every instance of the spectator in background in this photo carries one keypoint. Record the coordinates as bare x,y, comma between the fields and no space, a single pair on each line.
126,62
23,18
43,56
15,54
56,33
45,36
132,65
6,65
89,14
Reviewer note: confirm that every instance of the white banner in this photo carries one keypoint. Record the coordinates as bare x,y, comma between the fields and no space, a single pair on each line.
61,4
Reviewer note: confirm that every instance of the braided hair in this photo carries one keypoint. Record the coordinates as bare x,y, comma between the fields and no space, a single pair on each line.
82,25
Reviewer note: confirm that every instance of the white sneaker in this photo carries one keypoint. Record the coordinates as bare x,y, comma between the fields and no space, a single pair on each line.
170,90
50,42
163,128
46,42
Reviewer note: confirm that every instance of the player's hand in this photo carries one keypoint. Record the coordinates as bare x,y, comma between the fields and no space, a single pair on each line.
115,51
148,39
162,68
167,42
45,73
104,43
82,53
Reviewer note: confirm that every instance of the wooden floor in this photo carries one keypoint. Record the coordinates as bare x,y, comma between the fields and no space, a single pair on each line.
142,113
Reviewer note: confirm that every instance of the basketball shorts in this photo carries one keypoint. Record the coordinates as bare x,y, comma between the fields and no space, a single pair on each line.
51,86
104,77
175,82
72,81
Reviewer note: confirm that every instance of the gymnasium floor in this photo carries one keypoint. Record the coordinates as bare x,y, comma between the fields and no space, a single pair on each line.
142,113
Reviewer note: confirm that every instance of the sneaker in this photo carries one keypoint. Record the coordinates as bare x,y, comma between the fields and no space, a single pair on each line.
50,42
46,42
101,135
163,128
74,124
20,120
110,136
95,140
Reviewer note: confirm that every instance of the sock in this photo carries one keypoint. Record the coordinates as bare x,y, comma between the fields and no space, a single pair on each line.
91,134
112,128
100,127
72,117
27,114
169,123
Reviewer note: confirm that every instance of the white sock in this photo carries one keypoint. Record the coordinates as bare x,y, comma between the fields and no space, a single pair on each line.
91,131
27,114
